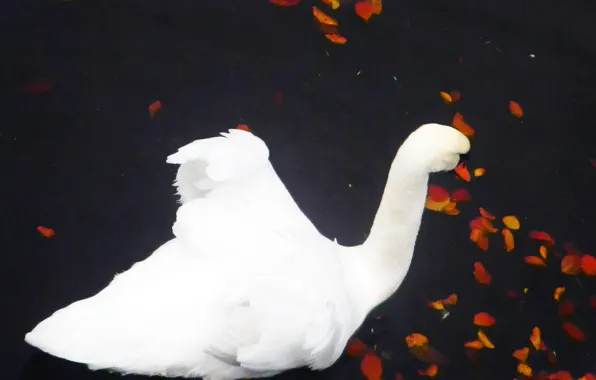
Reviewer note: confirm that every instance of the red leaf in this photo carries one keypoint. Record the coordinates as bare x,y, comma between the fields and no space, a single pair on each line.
588,264
571,264
285,3
481,274
460,195
46,232
438,193
574,332
542,236
371,367
356,347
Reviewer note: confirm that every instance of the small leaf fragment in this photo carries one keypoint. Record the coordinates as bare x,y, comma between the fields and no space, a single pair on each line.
475,345
515,109
536,338
486,214
481,274
462,171
46,232
460,124
323,18
484,319
337,39
154,108
446,97
542,236
536,261
511,222
543,252
509,240
574,332
524,369
479,172
559,293
484,339
431,371
371,366
521,354
588,265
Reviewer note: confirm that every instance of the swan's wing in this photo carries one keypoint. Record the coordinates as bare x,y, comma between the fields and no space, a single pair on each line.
235,167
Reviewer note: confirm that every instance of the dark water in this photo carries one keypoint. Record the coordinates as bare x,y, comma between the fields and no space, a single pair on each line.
86,159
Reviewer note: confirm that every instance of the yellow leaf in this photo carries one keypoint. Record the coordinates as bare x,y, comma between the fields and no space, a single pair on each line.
511,222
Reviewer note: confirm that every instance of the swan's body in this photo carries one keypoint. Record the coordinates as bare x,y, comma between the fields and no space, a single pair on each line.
248,287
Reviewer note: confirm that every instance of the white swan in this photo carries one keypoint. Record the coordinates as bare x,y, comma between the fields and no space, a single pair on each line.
248,287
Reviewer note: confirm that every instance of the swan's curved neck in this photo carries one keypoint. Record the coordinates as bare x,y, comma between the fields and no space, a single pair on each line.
383,260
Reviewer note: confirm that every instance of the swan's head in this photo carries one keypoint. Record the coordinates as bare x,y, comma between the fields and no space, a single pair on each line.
435,147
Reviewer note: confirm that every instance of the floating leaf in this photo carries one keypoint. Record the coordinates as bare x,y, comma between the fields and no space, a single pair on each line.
486,214
450,300
574,332
437,305
515,109
511,222
371,366
475,345
509,240
334,4
364,9
536,338
46,232
356,347
588,265
446,97
483,224
377,6
438,193
542,236
536,261
524,369
543,252
479,237
566,309
484,339
154,108
323,18
460,124
481,274
462,171
484,319
285,3
479,172
521,354
460,195
243,127
558,293
571,264
431,371
336,38
455,95
451,209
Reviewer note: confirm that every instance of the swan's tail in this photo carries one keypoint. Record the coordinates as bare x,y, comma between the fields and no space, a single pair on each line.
211,163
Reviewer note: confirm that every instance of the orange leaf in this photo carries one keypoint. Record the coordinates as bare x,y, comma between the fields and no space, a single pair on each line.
371,367
437,305
484,339
462,171
483,224
451,209
535,260
481,274
588,264
377,6
243,127
515,109
558,293
446,97
364,9
154,108
484,319
479,172
416,340
460,124
436,206
285,3
460,195
542,236
574,332
524,369
486,214
511,222
536,338
509,240
46,232
475,345
521,354
543,252
566,309
450,300
356,347
571,264
336,38
431,371
323,18
334,4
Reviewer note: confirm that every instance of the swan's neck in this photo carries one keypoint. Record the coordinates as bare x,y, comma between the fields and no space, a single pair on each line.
381,263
